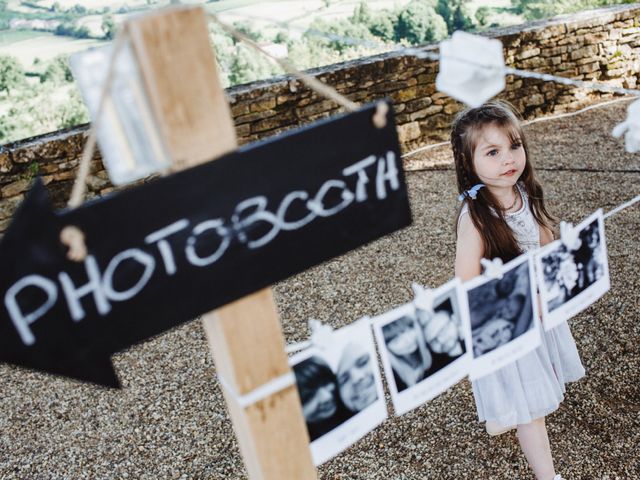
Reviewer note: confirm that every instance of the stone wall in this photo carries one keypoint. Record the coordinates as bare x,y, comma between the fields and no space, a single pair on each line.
600,45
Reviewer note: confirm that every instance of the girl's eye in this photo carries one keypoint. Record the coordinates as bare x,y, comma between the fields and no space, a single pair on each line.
516,145
492,153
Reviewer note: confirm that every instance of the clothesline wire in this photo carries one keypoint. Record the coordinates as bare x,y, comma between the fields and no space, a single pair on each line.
528,122
420,52
297,346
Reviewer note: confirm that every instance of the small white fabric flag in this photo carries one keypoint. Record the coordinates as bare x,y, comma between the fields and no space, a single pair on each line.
630,128
471,68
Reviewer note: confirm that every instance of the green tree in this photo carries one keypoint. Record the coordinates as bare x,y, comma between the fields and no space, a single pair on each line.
57,70
362,13
248,66
11,74
535,9
108,26
419,23
3,5
455,14
341,34
482,15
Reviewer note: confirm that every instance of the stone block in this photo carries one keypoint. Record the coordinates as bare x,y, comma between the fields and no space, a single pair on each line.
590,67
453,107
404,95
583,52
9,205
6,165
534,100
425,112
314,109
253,117
553,51
263,105
528,53
239,109
15,188
409,131
593,38
418,104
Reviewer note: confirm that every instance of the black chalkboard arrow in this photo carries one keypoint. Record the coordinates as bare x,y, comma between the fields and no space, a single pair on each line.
162,253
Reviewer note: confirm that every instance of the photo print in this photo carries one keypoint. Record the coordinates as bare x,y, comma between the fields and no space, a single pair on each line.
572,277
424,352
503,314
340,390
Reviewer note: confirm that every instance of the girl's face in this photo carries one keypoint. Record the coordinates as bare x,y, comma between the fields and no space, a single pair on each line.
498,159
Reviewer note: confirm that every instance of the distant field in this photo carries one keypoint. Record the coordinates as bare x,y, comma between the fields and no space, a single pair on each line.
45,47
299,14
11,36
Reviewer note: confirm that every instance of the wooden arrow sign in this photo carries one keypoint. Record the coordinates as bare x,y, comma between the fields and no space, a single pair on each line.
163,253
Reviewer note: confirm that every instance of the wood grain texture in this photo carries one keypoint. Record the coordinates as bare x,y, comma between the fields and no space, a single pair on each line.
245,336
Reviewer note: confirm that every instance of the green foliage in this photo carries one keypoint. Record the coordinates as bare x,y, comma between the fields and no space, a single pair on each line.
536,9
248,65
383,25
482,15
29,115
108,26
419,23
342,30
455,14
72,30
11,74
3,5
57,70
249,30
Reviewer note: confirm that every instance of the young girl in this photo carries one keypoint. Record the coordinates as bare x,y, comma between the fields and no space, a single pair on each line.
505,217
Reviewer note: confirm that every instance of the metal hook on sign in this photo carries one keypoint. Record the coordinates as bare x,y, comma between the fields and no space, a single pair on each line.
74,239
380,117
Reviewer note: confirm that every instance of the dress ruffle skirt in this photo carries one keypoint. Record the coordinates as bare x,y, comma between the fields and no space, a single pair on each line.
532,386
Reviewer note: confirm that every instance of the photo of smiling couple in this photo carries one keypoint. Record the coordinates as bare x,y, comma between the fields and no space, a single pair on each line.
340,390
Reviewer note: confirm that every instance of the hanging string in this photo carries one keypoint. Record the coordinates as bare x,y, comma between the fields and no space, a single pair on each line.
529,122
303,345
312,82
619,208
422,53
80,183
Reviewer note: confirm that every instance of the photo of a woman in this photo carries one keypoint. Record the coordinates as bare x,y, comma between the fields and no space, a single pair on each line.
409,357
322,407
340,388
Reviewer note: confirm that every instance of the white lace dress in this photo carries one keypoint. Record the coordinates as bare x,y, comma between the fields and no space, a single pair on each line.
534,385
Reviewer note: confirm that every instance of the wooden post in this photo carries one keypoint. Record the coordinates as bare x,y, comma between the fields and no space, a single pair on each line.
179,71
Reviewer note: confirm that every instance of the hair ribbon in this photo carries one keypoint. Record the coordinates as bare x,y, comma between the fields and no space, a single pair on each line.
472,193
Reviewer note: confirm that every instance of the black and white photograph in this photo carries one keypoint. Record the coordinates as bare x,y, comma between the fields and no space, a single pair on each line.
424,352
504,316
340,390
573,273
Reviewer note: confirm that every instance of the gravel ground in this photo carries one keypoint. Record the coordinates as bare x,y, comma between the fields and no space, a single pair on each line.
170,421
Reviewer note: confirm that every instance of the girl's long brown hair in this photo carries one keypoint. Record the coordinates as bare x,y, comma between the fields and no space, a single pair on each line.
485,211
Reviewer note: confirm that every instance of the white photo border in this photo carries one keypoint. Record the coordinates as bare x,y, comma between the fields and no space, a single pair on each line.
551,319
518,347
428,388
353,429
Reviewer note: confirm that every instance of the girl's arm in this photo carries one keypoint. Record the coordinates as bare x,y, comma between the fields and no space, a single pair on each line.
469,250
546,235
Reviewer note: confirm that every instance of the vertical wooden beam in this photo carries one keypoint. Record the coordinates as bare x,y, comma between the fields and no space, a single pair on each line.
179,70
